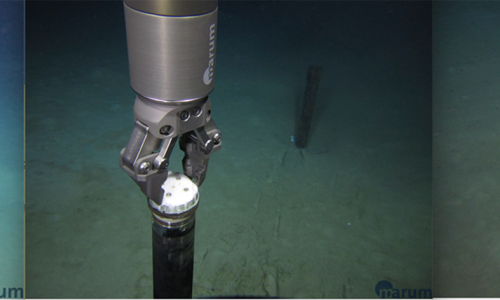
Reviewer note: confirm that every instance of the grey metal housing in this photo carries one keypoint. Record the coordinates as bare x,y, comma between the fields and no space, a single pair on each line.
173,7
171,58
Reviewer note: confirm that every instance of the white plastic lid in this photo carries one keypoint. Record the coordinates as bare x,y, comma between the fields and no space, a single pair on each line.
181,194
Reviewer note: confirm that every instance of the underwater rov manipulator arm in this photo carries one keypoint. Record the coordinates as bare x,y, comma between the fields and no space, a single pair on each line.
171,50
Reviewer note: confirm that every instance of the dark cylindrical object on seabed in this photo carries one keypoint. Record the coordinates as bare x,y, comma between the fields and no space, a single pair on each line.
307,107
173,250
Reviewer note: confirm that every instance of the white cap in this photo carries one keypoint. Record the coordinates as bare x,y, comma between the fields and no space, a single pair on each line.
181,194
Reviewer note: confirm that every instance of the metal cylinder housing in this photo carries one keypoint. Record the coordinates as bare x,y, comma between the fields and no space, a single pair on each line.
171,58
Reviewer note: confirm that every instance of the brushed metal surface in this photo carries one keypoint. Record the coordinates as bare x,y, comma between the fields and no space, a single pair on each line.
171,58
173,7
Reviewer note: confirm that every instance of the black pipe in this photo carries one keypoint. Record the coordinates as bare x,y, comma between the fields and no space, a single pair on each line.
307,109
173,254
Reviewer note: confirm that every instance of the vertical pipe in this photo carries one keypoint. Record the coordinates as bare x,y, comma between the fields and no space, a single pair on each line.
307,107
173,251
173,237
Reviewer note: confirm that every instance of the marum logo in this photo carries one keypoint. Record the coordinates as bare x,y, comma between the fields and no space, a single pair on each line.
209,72
12,293
384,289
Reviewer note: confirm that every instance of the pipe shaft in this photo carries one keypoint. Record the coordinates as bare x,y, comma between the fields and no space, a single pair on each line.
308,104
173,254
